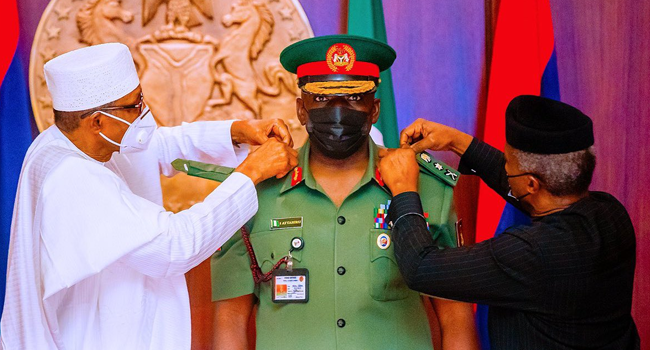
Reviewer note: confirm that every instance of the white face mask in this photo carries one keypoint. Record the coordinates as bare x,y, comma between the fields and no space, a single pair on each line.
138,135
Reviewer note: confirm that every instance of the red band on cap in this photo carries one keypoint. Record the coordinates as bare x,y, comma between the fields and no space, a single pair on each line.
322,68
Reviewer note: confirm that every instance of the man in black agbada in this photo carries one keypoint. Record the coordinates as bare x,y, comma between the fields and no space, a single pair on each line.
562,282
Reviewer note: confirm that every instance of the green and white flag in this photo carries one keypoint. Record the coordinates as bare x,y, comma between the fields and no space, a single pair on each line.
366,18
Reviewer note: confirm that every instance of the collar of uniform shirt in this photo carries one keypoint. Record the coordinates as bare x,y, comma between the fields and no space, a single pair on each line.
308,178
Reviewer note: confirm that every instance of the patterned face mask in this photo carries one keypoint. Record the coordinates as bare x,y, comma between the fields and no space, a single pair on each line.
337,131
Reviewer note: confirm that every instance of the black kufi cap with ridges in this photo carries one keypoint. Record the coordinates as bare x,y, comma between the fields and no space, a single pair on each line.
544,126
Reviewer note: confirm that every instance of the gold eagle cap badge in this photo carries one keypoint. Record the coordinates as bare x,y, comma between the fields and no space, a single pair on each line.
341,56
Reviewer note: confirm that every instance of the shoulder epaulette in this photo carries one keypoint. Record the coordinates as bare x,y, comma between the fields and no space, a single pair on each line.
438,169
203,170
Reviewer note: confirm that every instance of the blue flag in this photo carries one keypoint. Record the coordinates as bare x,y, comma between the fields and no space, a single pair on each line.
15,138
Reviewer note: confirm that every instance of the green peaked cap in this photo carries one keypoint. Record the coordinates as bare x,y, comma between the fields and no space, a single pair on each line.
315,49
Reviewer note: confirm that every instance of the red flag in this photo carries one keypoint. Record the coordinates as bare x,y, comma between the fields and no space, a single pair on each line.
523,45
9,29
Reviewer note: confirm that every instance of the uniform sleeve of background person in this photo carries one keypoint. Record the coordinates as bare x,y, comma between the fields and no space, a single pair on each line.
90,219
207,141
507,270
231,275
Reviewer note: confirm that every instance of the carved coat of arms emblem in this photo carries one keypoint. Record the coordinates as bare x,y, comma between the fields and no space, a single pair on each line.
197,59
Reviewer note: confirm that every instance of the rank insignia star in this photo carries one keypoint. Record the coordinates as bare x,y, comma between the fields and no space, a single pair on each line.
438,166
451,174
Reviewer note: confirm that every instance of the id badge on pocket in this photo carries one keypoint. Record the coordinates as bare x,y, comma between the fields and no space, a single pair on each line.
290,286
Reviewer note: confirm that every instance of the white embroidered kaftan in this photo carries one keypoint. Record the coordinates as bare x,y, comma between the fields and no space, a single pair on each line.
95,261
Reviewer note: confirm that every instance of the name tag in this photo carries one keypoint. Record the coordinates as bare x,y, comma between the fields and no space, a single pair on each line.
279,224
290,286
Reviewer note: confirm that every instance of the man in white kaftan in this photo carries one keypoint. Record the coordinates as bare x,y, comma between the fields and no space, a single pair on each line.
95,261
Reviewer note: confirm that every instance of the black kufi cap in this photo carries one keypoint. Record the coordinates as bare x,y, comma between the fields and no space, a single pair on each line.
544,126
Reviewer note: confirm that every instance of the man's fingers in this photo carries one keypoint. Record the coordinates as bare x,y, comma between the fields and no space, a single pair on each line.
259,138
383,152
405,136
282,174
419,146
290,160
292,155
293,152
280,130
290,165
412,133
293,162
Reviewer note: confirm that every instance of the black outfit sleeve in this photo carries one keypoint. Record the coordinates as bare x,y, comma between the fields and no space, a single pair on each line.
503,271
489,164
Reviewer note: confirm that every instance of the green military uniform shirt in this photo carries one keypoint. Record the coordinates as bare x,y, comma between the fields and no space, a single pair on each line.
357,297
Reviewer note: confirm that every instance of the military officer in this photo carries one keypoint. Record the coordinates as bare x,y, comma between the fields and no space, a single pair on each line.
338,285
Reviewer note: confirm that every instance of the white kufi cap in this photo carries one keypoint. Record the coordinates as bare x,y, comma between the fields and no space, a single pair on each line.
90,77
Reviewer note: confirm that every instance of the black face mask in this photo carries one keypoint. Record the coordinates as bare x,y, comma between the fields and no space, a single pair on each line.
337,131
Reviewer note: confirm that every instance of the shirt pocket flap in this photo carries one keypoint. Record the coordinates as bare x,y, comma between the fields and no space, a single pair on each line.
271,246
386,282
381,245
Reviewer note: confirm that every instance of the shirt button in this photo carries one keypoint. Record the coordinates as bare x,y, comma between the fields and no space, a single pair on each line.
341,270
340,322
340,220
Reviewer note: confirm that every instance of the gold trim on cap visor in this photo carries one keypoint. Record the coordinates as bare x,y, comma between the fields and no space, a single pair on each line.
339,87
